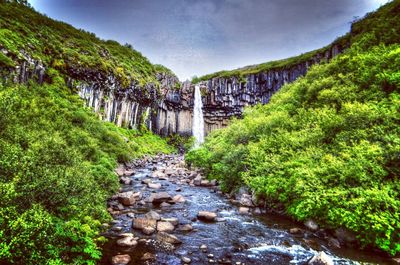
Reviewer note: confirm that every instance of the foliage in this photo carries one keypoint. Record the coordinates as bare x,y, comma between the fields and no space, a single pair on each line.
57,165
327,146
57,44
383,26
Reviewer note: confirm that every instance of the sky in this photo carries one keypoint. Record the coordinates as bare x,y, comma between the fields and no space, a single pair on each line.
197,37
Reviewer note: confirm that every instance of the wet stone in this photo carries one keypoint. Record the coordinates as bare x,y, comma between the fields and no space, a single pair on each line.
121,259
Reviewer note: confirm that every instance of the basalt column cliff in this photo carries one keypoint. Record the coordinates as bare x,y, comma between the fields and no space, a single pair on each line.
166,106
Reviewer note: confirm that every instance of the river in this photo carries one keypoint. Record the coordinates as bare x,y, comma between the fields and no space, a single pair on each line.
233,237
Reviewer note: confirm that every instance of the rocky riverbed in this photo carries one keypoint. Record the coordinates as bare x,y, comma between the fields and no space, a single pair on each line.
168,214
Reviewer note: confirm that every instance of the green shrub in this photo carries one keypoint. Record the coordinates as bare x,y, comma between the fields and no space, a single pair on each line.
57,165
326,147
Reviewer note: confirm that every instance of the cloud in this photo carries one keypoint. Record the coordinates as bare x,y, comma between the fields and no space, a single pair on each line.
195,37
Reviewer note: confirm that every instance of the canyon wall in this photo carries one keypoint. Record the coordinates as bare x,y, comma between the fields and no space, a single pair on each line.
166,107
226,97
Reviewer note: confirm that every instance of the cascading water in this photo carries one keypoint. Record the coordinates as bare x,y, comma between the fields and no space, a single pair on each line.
198,121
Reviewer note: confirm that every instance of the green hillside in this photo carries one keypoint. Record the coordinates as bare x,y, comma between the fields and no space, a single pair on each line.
63,47
57,159
388,30
327,147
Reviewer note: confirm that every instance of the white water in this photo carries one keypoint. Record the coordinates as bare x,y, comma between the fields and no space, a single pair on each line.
198,121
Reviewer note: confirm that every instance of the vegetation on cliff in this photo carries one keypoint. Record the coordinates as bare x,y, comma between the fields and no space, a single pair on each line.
57,163
57,159
326,147
63,47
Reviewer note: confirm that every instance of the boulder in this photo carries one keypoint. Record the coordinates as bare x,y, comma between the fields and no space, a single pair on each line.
148,256
321,259
125,180
246,200
163,226
206,216
159,174
140,223
168,238
197,180
295,231
152,215
172,220
186,260
159,197
310,224
146,181
155,186
205,183
186,228
345,236
170,171
178,199
244,210
120,170
121,259
128,241
128,198
148,230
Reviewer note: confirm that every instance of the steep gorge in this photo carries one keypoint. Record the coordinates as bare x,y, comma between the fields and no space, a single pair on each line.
162,103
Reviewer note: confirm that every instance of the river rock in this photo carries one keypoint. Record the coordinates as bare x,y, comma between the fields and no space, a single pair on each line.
128,241
128,198
205,183
345,236
186,260
152,215
165,204
186,228
203,248
172,220
295,231
148,256
170,171
163,226
321,259
159,197
155,186
146,181
333,242
120,170
125,180
310,224
168,238
197,180
148,230
121,259
206,216
158,174
140,223
178,199
246,200
244,210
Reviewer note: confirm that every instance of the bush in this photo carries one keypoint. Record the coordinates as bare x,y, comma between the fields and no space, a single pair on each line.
326,147
57,165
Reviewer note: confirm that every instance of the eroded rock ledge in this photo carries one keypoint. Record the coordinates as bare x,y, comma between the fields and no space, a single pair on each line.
166,107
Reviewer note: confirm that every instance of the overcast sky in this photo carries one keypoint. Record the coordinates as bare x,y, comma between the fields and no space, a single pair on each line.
196,37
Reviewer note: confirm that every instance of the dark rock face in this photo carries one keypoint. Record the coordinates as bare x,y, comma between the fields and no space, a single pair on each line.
226,97
166,108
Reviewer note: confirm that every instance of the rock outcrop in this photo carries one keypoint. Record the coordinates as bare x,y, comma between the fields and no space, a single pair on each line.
166,107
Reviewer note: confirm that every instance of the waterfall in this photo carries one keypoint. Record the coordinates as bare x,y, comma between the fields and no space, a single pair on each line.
198,121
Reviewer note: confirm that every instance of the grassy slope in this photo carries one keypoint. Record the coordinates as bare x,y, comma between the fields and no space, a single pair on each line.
279,64
327,146
62,46
57,159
